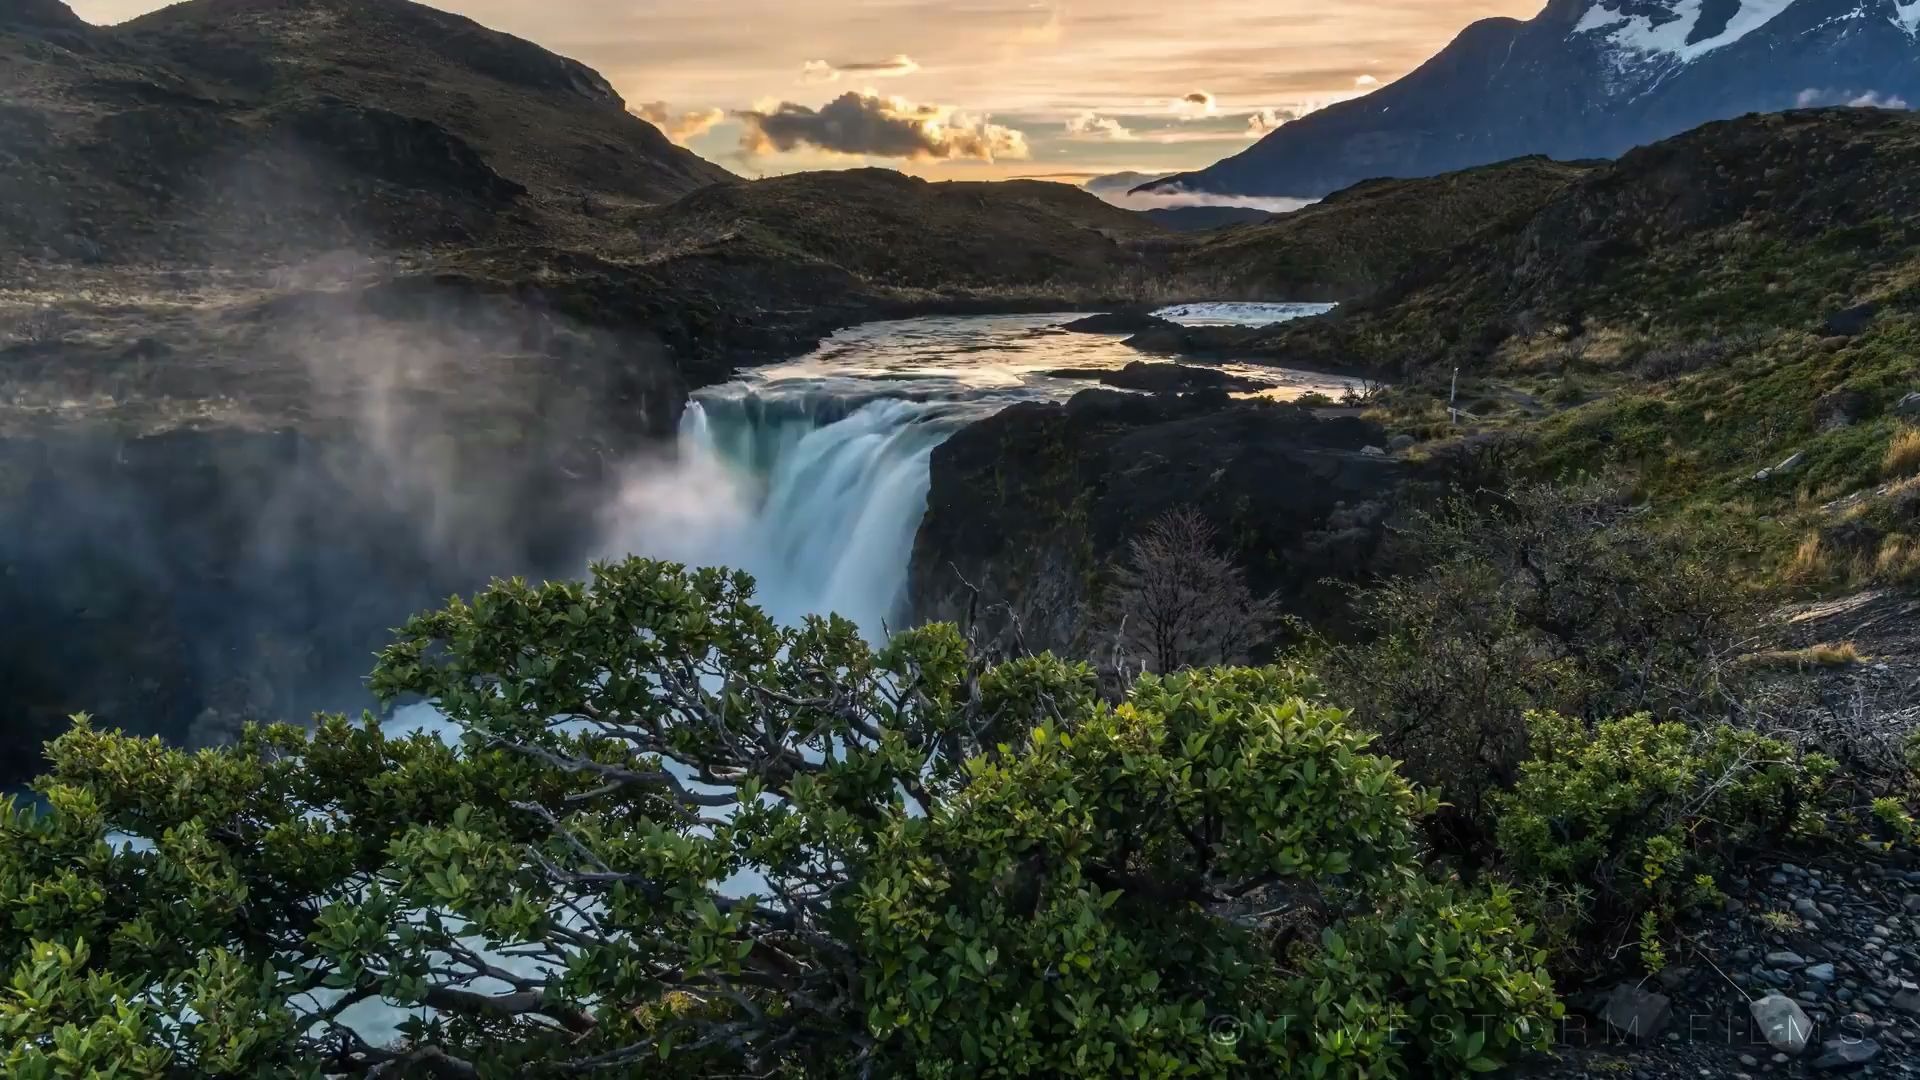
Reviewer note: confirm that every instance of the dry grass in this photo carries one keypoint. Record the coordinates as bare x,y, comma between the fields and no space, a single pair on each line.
1903,454
1813,562
1843,654
1816,565
1898,559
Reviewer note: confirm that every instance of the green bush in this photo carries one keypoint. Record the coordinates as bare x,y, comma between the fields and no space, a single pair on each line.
676,837
1619,829
1550,598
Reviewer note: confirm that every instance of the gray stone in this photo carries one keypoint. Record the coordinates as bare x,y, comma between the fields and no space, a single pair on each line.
1846,1053
1636,1013
1784,1024
1401,442
1786,958
1820,973
1783,468
1907,1001
1908,405
1805,908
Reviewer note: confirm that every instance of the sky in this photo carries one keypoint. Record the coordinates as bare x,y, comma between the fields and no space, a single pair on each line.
975,89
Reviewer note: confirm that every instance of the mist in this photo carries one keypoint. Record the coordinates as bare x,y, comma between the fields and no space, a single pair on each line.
222,488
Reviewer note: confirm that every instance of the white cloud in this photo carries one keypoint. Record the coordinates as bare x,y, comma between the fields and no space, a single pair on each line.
1870,99
1091,125
1119,193
866,123
1262,121
815,72
1366,81
1195,106
679,126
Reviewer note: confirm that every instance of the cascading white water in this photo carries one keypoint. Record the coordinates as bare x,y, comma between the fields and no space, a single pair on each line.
817,497
812,475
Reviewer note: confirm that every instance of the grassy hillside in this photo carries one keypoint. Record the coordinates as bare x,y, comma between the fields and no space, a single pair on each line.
1775,221
1694,317
1358,240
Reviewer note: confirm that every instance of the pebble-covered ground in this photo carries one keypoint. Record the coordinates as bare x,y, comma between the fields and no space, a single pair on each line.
1839,940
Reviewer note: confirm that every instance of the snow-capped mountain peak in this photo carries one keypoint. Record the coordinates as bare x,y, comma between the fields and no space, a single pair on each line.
1682,30
1588,78
1907,14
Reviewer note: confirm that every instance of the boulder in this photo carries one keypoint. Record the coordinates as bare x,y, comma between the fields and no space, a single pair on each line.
1840,408
1119,322
1848,1053
1636,1013
1908,405
1175,378
1783,1023
1852,321
1781,469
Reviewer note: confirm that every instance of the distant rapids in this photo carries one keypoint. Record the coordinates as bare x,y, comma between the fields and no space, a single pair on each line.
812,474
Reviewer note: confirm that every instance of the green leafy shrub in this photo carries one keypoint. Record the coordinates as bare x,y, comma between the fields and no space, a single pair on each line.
674,836
1457,974
1625,822
1552,598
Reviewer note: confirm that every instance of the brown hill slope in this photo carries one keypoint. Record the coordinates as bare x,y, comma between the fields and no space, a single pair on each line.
236,130
1357,241
896,232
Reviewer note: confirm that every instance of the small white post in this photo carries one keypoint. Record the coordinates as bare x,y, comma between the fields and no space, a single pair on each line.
1453,398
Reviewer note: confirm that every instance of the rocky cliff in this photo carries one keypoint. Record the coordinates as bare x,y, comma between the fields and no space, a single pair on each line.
1031,506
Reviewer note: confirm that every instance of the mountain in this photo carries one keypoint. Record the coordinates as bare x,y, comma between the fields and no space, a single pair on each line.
1586,78
225,130
40,14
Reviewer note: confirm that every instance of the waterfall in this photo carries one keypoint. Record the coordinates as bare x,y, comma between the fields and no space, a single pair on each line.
817,496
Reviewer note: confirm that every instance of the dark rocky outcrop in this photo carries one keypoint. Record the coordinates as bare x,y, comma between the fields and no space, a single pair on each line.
1132,321
1031,505
1175,378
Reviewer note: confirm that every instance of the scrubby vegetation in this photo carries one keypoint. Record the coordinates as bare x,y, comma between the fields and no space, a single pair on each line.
1552,599
672,832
